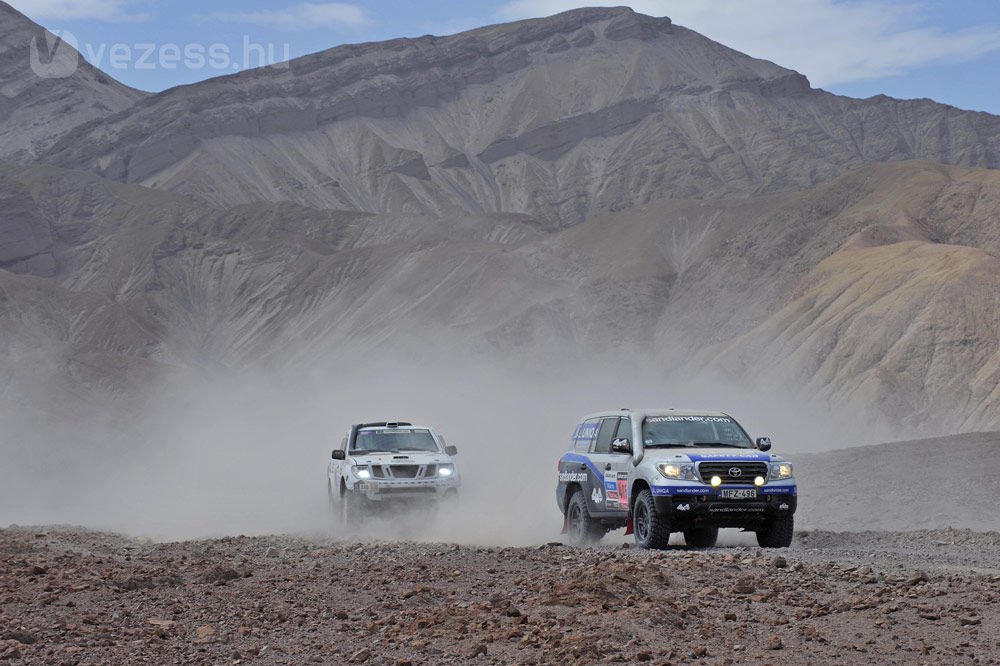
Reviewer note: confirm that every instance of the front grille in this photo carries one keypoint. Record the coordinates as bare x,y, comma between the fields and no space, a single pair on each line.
404,471
377,472
727,471
390,490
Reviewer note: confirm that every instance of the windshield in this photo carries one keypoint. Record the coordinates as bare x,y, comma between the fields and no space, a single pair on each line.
397,439
681,430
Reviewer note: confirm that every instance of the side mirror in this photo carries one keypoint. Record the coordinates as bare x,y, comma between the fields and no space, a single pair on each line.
764,443
451,450
338,454
621,446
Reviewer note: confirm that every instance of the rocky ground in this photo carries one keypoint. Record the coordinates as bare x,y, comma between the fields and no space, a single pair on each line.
72,597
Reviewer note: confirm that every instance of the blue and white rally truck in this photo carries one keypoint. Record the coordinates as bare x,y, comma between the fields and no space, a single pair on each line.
658,471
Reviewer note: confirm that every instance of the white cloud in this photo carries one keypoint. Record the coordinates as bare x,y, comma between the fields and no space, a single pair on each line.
831,42
113,11
306,16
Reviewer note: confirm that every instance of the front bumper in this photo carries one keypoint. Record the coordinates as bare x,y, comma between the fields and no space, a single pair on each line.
706,508
378,490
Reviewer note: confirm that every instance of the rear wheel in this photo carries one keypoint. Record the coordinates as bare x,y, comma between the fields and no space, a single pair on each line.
651,529
701,537
777,533
583,530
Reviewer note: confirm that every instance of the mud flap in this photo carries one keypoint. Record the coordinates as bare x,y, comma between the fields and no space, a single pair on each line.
565,528
628,524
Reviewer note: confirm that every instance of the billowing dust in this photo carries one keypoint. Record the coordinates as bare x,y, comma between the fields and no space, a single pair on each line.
248,453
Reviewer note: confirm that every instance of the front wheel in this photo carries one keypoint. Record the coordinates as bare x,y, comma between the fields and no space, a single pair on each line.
350,507
701,537
583,530
777,533
651,529
331,499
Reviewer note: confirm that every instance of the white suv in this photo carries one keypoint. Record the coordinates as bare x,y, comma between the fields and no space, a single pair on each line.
386,462
669,470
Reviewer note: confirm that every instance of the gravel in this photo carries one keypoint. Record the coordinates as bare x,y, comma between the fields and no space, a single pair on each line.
76,597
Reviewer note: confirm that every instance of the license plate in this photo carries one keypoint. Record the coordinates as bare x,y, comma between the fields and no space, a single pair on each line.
738,493
361,487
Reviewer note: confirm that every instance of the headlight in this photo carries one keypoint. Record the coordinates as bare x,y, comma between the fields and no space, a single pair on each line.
684,471
362,472
446,470
781,470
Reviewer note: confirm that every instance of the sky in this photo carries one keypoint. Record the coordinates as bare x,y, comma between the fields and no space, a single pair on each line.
947,50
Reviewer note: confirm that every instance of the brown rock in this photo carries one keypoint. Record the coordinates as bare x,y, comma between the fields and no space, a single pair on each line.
204,633
774,642
9,652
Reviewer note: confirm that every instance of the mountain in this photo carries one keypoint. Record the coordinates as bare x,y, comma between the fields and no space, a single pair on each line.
875,292
563,118
594,188
48,88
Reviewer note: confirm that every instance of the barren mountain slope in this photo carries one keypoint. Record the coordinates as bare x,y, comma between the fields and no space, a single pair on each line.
225,286
757,289
47,88
559,118
947,482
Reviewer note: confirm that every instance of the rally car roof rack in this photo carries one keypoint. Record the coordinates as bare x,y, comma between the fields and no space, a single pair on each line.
384,424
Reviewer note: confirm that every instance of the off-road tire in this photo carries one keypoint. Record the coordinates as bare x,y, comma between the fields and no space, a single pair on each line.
651,529
350,508
701,537
777,533
580,527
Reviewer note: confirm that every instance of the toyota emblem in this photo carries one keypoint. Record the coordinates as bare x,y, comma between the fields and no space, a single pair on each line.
735,471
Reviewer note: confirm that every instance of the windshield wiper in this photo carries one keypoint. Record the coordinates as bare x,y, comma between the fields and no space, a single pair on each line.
665,445
361,452
727,444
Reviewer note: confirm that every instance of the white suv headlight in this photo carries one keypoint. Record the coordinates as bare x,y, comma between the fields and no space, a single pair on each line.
781,471
446,470
361,471
683,471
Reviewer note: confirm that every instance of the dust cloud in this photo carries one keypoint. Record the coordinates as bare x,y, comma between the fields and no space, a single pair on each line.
247,453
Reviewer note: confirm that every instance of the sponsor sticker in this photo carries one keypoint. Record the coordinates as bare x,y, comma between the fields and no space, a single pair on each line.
688,419
570,477
616,490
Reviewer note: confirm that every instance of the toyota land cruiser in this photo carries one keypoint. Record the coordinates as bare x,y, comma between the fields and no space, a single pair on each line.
660,471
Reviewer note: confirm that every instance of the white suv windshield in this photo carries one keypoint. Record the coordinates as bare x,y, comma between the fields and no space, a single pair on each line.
396,439
684,430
